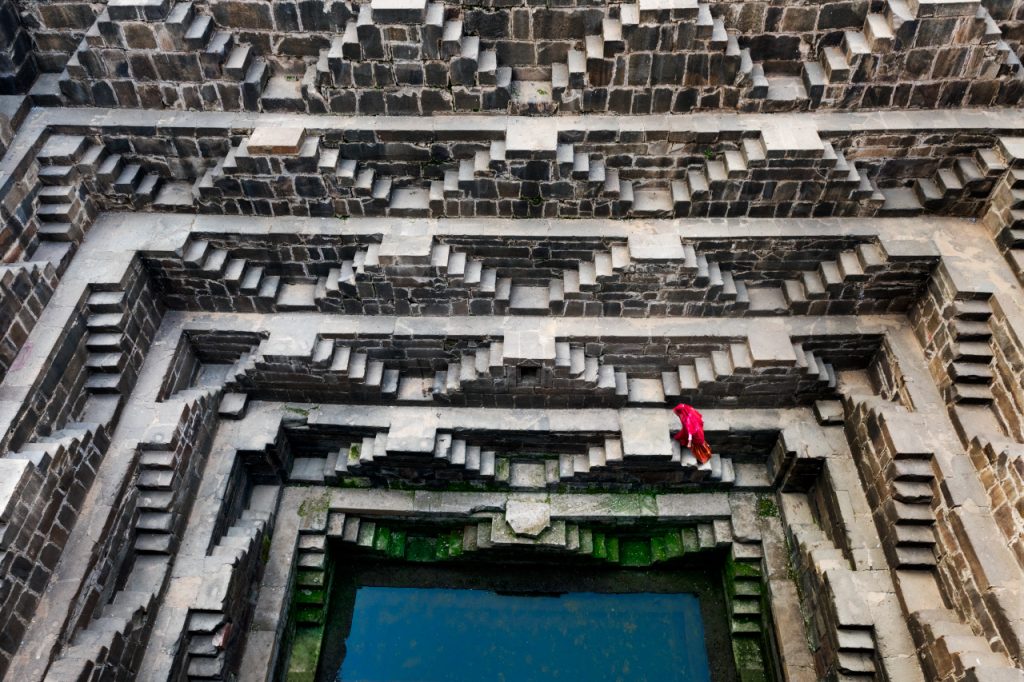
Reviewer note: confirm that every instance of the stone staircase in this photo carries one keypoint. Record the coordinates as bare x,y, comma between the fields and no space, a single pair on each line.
455,457
109,326
699,375
1000,465
611,545
163,484
970,369
902,492
199,52
949,648
860,55
1004,215
237,555
111,644
845,618
25,289
64,162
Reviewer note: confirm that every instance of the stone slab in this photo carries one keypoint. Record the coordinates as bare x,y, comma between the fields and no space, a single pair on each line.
527,519
645,432
276,140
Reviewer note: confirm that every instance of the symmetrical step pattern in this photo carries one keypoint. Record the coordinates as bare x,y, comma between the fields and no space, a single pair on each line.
581,277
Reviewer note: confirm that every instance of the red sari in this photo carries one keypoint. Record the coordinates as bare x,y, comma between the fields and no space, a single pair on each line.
692,433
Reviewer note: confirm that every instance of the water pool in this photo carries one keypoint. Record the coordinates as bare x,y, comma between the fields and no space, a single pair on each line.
406,634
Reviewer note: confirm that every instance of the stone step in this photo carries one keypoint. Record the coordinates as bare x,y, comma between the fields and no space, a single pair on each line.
251,280
56,213
978,394
973,310
56,194
972,352
971,330
129,179
59,232
914,536
62,150
837,69
199,32
971,372
238,61
912,491
915,557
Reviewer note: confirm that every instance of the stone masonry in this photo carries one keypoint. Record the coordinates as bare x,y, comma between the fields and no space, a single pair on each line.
290,287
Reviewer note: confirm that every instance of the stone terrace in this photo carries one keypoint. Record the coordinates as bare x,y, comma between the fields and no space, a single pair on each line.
265,312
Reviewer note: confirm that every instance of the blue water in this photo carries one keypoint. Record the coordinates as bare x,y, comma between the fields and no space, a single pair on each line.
432,635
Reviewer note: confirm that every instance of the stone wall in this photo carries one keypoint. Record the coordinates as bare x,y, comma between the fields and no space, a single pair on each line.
25,289
17,57
425,58
45,484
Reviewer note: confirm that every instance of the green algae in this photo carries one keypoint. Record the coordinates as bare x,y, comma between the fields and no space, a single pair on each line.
305,654
766,507
312,506
635,552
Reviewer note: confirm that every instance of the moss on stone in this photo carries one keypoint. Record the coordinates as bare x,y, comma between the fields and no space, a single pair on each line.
635,552
305,654
312,506
673,544
766,507
307,595
749,659
381,538
420,549
396,545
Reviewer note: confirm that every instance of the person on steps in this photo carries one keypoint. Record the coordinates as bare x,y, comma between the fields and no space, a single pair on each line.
692,433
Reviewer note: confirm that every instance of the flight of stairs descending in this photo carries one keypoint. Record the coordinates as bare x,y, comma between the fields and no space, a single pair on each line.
697,376
235,561
958,188
343,281
108,349
63,214
1004,214
844,617
166,477
970,369
902,492
861,55
248,281
456,458
606,462
111,644
949,647
1000,465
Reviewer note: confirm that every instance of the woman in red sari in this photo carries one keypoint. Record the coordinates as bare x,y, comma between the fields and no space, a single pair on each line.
692,433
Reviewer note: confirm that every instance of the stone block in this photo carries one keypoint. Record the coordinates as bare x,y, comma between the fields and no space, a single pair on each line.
274,140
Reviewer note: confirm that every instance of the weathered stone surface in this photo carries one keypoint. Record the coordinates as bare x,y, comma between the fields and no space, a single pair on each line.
528,519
